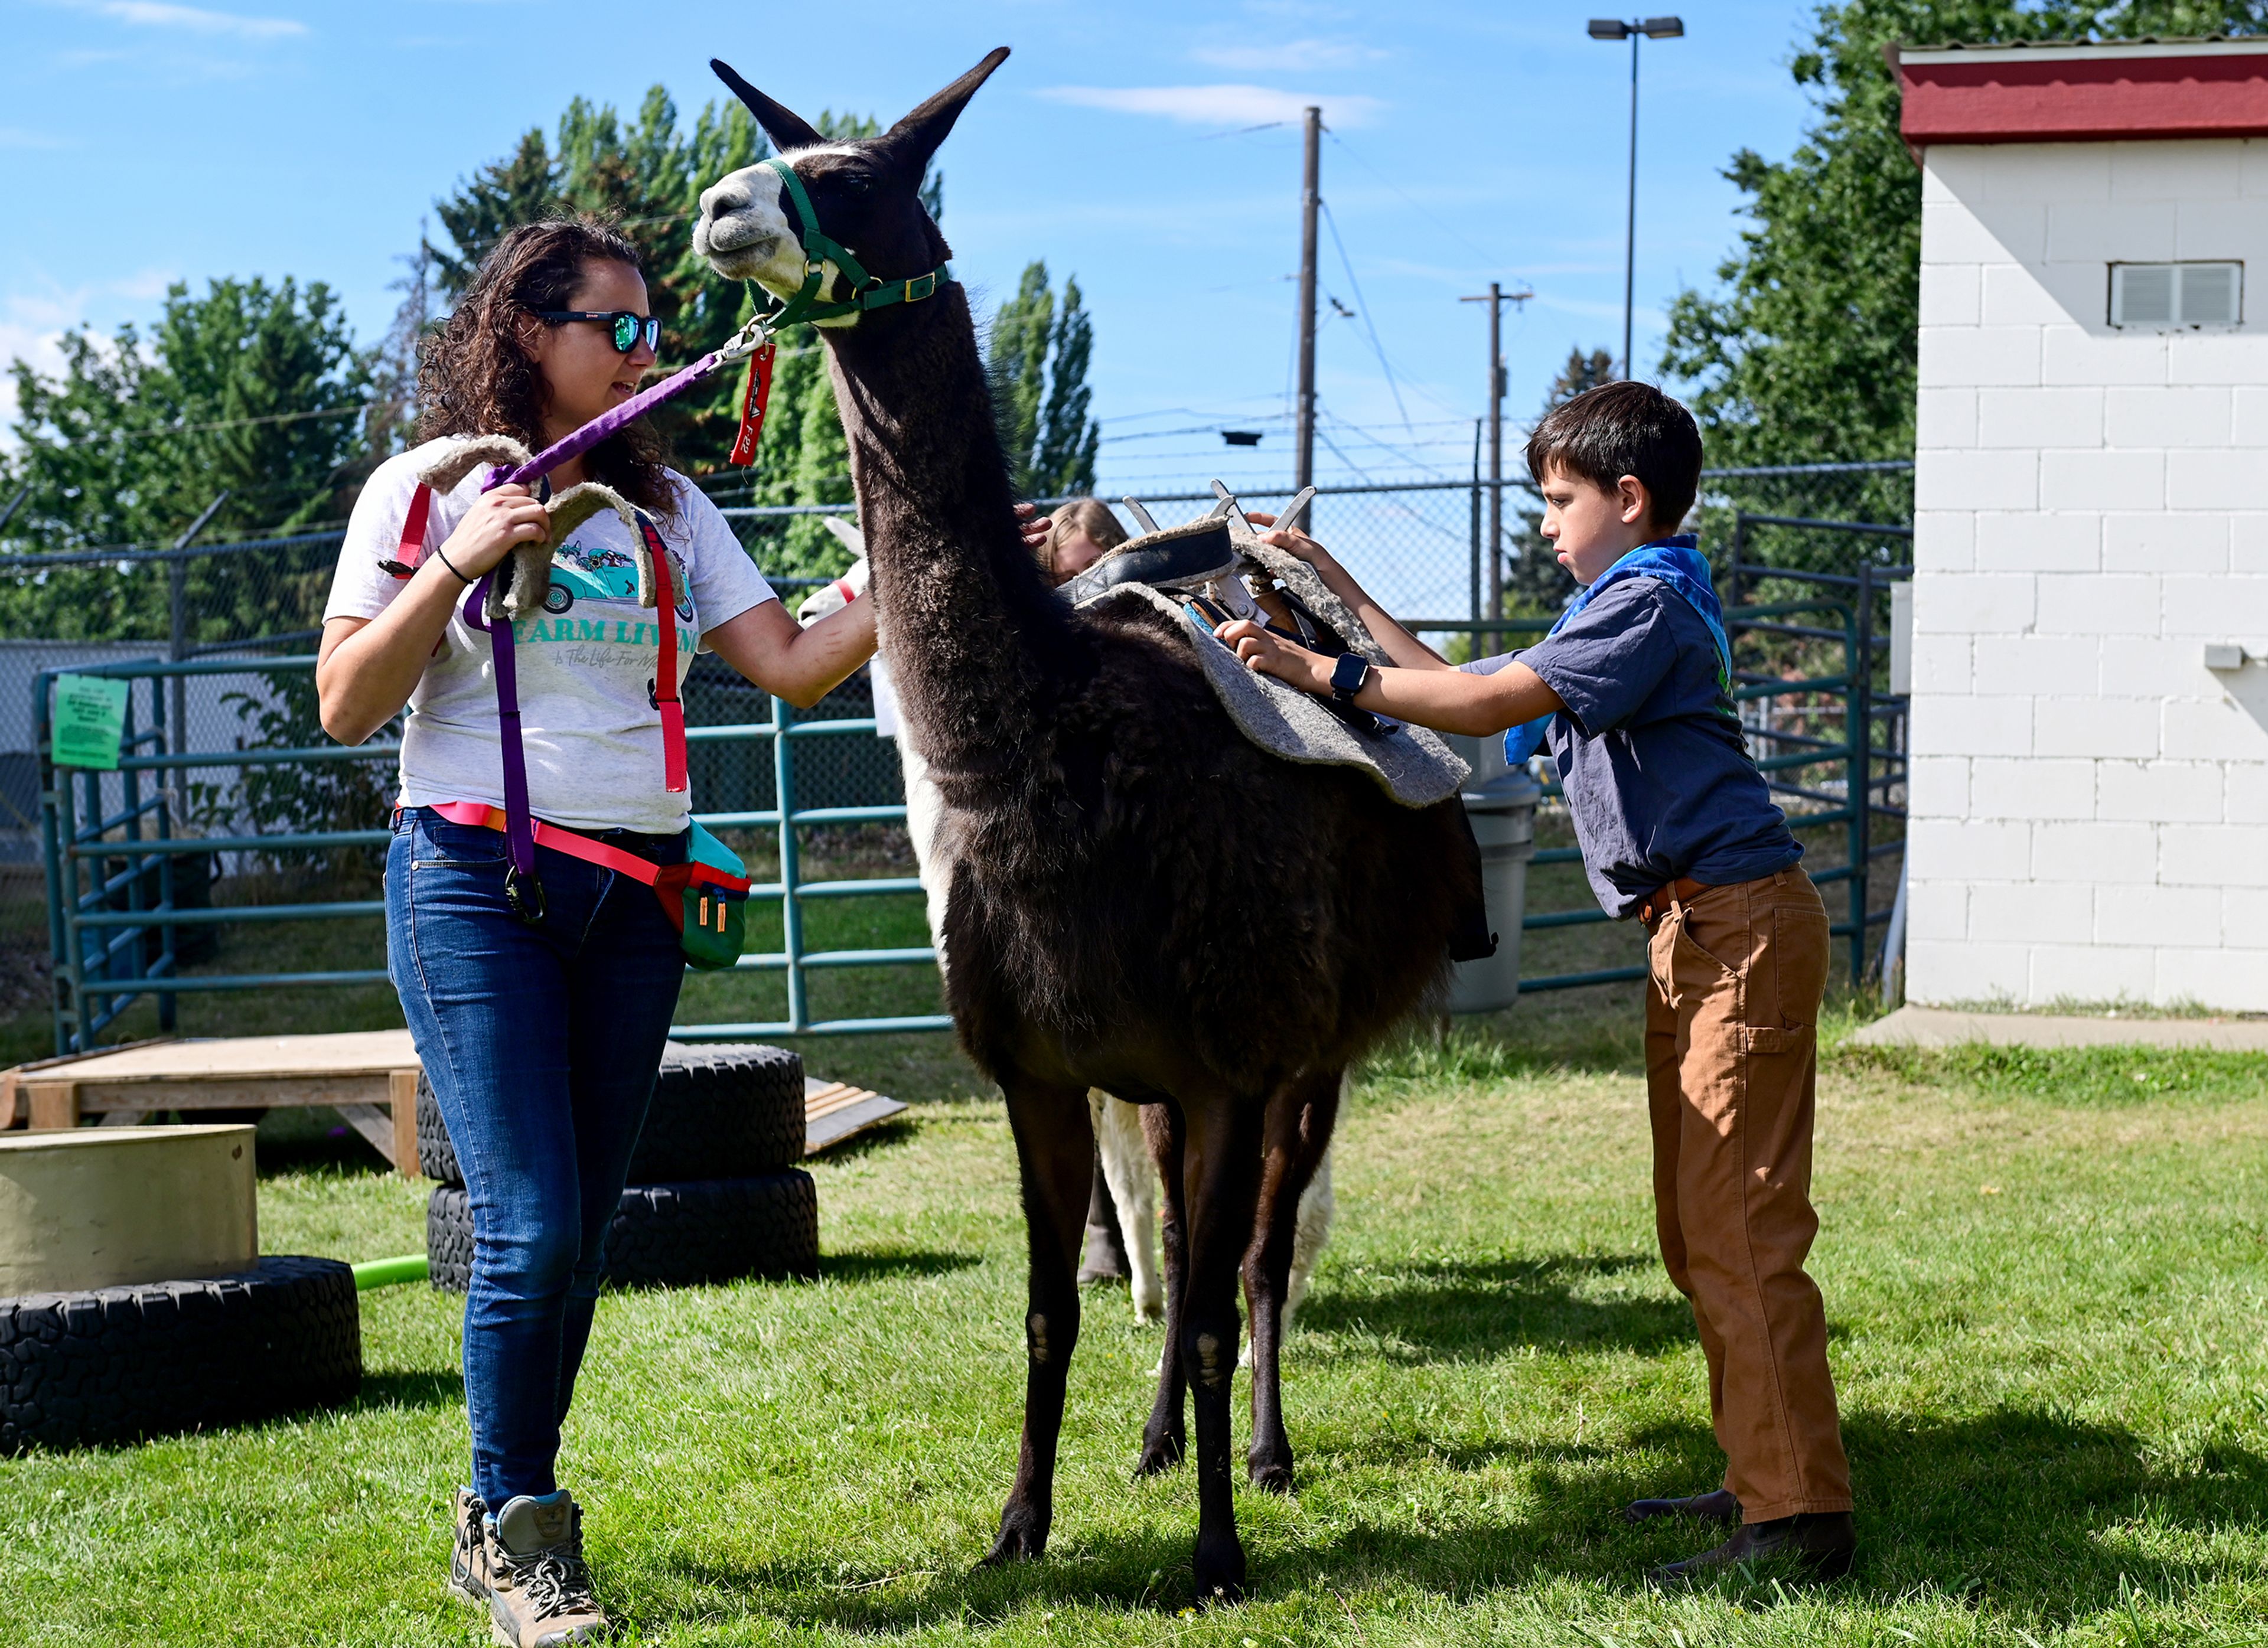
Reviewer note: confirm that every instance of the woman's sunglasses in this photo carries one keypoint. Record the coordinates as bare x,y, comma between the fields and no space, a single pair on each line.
628,327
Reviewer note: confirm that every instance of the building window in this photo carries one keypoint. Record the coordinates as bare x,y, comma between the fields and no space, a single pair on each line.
2175,294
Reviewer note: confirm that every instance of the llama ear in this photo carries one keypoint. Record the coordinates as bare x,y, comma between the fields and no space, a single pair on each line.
913,140
782,126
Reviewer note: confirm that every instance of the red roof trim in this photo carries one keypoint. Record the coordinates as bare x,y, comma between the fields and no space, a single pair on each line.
2073,99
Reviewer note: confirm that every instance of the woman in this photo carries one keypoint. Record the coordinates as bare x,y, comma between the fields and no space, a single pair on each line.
541,1037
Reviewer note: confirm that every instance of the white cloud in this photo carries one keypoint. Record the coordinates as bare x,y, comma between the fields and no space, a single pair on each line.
1215,105
1299,55
194,19
16,137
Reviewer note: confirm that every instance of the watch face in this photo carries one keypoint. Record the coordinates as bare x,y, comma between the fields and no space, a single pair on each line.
1348,673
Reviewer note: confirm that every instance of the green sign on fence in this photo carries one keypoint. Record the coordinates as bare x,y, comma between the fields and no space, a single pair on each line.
89,719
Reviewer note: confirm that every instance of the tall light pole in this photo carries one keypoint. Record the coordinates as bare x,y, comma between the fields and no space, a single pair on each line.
1615,29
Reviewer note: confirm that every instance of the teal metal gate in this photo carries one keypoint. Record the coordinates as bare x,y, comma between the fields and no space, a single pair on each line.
119,932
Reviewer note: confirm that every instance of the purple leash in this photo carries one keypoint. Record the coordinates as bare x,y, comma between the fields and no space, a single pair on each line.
521,889
605,424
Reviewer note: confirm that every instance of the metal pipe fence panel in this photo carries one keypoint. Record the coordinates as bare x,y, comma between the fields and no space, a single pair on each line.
224,773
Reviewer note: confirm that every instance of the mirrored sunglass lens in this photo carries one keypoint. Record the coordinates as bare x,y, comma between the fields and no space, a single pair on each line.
626,331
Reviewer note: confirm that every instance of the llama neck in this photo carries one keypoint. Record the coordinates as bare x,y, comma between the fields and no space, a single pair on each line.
978,645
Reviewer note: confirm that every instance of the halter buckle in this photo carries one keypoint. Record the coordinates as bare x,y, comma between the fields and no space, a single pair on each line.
927,283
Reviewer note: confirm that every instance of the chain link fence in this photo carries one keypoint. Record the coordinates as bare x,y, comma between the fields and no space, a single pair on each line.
1419,547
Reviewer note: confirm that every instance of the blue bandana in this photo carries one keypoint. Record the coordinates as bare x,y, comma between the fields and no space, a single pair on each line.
1676,563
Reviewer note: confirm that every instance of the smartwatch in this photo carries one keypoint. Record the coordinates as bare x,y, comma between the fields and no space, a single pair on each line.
1348,676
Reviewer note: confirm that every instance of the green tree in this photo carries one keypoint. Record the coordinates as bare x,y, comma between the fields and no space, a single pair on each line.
1806,353
1038,364
251,389
1535,583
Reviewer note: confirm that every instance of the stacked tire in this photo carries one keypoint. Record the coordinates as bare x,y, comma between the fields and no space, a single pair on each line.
714,1192
118,1363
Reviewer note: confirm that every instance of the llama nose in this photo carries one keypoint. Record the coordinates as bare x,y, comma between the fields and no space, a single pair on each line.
721,199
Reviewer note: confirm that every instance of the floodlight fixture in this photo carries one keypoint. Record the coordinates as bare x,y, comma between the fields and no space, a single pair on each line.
1610,28
1663,28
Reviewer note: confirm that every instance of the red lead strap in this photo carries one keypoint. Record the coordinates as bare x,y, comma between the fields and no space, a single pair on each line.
663,690
752,401
411,553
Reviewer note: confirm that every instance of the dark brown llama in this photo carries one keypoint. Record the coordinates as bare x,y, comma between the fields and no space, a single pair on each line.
1140,898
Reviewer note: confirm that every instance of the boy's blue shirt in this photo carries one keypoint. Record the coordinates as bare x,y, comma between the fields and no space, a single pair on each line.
1650,752
1676,561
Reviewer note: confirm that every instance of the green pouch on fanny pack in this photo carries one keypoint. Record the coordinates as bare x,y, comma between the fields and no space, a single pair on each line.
713,924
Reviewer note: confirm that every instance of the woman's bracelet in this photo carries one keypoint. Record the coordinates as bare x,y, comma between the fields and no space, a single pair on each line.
442,557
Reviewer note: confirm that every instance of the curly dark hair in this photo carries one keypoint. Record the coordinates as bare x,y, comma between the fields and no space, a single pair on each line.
476,376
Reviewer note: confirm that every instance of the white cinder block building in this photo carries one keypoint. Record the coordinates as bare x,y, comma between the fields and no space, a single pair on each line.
2089,793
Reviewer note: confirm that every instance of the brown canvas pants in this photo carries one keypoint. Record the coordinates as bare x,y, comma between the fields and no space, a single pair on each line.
1731,1061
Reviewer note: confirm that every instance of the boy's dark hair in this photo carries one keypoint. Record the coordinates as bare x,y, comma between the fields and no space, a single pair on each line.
1625,429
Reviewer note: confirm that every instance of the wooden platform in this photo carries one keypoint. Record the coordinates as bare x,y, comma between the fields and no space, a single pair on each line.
369,1077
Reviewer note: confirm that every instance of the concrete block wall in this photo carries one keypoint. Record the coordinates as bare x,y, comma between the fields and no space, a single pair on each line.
2090,801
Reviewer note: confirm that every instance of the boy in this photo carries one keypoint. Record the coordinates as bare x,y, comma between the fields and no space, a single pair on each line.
1631,695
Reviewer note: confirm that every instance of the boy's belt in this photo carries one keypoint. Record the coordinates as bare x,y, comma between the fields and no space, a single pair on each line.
1684,890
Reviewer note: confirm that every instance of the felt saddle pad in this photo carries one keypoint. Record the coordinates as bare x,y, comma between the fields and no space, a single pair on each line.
1409,763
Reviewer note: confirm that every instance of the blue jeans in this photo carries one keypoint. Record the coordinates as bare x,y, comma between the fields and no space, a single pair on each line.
541,1043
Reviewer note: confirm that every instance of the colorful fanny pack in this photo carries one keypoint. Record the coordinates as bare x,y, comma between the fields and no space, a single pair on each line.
705,898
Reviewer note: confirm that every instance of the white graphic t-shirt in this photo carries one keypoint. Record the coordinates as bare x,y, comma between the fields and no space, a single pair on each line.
591,733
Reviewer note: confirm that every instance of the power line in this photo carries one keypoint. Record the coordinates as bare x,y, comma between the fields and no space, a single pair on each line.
1377,347
1411,201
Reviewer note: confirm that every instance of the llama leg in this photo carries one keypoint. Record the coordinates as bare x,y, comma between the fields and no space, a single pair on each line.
1133,1181
1319,1205
1164,1439
1220,1180
1055,1154
1301,1117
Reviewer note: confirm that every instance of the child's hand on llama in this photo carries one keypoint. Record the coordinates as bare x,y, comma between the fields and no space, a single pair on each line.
1266,654
502,518
1033,526
1290,539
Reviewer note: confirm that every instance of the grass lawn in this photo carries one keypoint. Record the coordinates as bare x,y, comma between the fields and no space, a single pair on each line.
2044,1275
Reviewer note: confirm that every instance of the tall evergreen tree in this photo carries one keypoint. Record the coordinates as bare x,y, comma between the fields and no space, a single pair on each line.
1534,583
520,188
1038,364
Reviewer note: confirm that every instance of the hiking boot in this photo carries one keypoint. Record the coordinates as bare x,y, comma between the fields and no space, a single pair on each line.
469,1546
1820,1545
1720,1506
539,1589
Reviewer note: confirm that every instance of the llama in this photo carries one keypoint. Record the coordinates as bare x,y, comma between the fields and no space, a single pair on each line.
1140,898
1122,1146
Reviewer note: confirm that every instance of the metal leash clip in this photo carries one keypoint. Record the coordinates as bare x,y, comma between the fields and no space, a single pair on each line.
524,896
746,341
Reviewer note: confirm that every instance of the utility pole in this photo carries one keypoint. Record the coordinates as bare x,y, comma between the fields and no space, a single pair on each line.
1495,297
1633,30
1310,194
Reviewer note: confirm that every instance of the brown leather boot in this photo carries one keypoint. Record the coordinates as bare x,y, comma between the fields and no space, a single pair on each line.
1820,1545
1718,1506
539,1589
469,1548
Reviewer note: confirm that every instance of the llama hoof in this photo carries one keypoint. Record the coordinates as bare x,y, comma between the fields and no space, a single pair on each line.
1023,1538
1220,1575
1160,1454
1270,1475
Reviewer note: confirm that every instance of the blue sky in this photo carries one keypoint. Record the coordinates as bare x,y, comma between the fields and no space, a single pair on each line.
146,143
